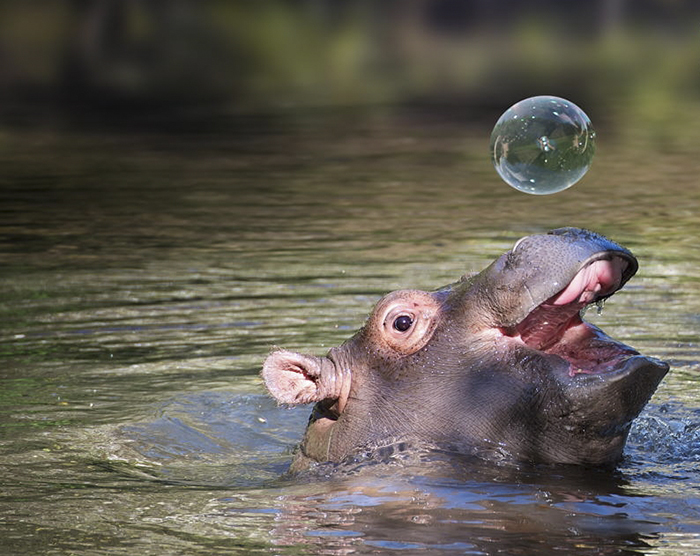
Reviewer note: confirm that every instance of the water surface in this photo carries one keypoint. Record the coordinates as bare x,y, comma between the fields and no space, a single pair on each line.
146,275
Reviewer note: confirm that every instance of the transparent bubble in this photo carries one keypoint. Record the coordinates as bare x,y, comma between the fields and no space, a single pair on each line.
542,145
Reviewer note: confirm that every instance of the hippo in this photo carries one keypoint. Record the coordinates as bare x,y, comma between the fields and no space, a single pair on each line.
498,364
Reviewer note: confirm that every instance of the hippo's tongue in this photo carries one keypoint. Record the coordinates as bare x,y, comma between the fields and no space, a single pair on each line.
544,326
598,279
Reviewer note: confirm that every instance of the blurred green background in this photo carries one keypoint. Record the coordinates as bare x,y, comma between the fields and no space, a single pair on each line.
626,61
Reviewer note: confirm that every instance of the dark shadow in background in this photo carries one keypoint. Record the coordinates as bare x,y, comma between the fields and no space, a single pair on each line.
145,62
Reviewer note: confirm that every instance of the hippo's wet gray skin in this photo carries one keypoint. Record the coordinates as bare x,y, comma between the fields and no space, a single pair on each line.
499,363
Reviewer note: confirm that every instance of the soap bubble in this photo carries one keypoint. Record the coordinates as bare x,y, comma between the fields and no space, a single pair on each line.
542,145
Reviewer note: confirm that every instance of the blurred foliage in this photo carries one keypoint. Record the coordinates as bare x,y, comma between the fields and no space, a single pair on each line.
629,61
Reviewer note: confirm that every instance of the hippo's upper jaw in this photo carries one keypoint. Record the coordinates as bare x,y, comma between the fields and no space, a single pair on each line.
550,318
500,359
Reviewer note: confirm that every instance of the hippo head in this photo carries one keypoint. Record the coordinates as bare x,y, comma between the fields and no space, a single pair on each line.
500,363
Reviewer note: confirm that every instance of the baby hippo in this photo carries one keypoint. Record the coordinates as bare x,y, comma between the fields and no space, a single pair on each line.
499,364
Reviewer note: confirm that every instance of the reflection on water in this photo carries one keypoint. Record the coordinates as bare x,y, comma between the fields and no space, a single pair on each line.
467,516
146,276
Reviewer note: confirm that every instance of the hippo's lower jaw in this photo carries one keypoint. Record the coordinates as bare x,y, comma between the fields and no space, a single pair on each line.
584,348
555,327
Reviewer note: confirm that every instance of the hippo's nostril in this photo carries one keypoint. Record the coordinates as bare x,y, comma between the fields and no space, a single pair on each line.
403,323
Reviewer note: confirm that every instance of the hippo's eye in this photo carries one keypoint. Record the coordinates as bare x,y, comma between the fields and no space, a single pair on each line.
405,320
403,323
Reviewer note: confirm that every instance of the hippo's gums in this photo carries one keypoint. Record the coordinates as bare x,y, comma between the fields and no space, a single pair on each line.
499,363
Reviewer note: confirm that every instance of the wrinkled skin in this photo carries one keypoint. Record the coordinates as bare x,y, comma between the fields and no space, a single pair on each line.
496,365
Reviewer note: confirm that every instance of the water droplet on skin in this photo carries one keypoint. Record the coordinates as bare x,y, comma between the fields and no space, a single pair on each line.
544,140
599,306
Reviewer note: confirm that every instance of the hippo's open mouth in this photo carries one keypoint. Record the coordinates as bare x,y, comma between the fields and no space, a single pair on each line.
555,326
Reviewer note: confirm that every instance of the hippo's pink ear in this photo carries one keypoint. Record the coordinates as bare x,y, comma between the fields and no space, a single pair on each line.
294,378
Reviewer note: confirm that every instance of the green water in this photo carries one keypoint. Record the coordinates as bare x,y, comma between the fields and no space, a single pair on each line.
144,276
